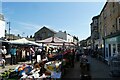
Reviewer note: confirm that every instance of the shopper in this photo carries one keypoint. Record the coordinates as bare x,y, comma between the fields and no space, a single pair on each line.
4,52
32,52
2,60
72,57
13,55
77,54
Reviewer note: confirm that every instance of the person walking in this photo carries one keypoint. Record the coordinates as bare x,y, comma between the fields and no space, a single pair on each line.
72,57
32,52
2,60
13,55
43,52
77,55
4,52
38,55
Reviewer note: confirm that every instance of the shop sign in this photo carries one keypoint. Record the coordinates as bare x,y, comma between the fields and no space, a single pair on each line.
118,39
111,40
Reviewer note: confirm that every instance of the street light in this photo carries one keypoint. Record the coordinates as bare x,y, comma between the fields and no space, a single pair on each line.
23,34
9,28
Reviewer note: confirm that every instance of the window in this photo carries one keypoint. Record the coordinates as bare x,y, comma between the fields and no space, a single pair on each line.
111,33
118,23
114,48
49,35
106,52
118,48
113,10
105,14
109,49
43,34
113,26
113,4
119,20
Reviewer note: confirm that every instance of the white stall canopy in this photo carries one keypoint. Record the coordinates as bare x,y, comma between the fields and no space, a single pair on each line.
24,41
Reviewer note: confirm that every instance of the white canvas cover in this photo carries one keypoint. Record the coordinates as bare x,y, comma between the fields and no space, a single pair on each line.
55,39
23,41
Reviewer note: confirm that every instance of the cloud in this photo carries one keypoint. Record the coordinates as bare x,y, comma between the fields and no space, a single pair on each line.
28,25
31,28
16,31
27,28
67,29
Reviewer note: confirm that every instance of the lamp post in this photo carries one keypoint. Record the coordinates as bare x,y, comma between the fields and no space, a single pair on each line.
9,28
23,34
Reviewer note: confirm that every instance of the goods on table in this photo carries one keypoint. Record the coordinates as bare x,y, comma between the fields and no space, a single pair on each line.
55,68
8,74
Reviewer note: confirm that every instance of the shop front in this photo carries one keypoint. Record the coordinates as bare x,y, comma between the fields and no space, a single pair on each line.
112,47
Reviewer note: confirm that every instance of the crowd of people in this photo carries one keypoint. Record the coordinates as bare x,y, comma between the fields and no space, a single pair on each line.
30,53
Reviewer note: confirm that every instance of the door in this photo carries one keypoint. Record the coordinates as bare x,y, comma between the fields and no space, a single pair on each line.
109,53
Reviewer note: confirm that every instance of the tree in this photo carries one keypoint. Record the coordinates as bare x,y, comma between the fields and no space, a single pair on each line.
30,36
18,35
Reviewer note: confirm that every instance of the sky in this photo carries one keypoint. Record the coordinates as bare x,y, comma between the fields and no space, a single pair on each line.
73,17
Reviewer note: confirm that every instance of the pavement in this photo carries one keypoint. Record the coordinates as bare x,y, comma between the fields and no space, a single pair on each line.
98,70
73,73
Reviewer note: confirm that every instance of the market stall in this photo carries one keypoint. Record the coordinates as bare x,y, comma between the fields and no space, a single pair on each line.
24,41
51,67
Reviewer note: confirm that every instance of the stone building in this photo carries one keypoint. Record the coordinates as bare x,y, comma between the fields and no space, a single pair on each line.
106,31
44,33
94,31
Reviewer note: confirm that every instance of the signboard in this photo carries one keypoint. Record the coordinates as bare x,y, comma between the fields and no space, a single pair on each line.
2,28
111,40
